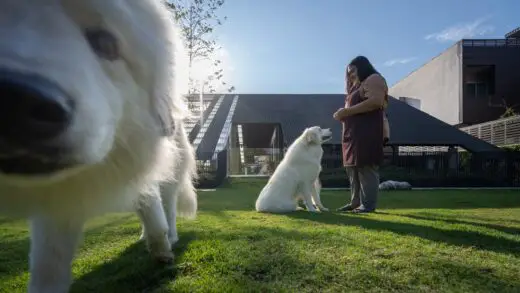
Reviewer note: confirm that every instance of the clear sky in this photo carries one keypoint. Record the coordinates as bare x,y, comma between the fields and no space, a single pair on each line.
302,46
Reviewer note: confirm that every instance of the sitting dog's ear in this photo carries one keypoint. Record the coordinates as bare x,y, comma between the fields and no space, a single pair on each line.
311,137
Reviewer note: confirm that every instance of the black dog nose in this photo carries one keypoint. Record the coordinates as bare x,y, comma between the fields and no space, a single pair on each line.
32,108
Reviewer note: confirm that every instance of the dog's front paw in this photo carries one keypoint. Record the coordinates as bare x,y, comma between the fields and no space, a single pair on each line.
165,257
324,209
173,239
160,248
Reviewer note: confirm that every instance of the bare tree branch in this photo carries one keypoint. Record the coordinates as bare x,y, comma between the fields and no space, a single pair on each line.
198,20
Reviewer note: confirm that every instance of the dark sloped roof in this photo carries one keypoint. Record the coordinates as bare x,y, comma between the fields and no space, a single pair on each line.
408,125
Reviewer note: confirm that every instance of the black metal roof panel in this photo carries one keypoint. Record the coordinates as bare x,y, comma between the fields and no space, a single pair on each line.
408,126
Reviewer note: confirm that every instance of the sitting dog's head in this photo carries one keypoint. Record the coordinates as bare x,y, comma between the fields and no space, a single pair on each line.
81,80
316,135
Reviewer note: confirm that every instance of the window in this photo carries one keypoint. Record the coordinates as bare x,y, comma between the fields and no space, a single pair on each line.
416,103
477,90
479,81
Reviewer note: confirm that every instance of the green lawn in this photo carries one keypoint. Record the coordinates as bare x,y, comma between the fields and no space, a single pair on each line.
419,241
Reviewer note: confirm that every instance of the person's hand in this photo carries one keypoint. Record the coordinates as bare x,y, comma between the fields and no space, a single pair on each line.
340,114
336,114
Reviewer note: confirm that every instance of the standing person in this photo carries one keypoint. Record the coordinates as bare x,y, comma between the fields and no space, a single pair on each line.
363,134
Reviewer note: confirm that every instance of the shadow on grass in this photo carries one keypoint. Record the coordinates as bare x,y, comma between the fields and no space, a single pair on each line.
470,278
242,197
4,221
14,256
460,238
489,219
265,259
508,230
251,259
437,199
132,271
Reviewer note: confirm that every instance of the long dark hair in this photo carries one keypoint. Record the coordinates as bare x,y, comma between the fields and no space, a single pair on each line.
363,66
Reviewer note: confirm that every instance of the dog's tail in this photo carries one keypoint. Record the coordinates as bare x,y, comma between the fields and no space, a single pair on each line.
187,203
187,200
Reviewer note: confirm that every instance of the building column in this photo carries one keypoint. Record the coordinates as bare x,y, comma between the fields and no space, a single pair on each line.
234,151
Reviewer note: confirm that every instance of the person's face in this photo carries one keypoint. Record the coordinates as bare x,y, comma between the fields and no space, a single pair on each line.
352,74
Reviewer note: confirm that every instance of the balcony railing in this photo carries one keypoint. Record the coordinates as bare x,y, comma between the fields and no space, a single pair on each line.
491,43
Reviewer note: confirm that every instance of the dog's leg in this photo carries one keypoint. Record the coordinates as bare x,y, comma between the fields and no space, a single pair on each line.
53,245
155,225
169,201
307,197
180,197
316,195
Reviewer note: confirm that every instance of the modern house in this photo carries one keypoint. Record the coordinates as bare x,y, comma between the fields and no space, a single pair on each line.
246,134
471,82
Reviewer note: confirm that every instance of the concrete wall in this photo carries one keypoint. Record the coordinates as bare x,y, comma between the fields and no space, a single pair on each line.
507,82
437,85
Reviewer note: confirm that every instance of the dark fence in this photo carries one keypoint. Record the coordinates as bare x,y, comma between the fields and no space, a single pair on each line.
436,169
420,169
212,172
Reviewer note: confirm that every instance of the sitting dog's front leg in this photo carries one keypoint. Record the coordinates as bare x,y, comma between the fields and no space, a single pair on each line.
307,197
53,246
316,196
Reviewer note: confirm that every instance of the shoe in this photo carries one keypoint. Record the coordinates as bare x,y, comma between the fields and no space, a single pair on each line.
362,210
346,208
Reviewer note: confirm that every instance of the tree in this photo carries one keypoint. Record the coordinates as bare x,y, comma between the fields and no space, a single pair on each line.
198,20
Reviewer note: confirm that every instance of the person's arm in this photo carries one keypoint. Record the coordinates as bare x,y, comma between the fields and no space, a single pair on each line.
375,89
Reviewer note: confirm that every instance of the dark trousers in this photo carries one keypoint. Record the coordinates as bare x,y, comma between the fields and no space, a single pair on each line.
364,186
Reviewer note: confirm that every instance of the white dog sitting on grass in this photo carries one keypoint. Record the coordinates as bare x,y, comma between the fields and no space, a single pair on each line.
297,176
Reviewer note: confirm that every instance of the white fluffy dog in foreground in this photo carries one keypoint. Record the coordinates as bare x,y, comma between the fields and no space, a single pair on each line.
297,176
91,122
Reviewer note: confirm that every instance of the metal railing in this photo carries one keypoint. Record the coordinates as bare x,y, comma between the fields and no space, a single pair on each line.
491,43
441,169
212,173
421,169
195,108
207,123
253,161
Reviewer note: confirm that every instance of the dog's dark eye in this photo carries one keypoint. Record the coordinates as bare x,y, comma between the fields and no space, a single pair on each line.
103,43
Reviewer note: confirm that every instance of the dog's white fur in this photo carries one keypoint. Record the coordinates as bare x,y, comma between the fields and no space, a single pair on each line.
391,184
297,176
122,158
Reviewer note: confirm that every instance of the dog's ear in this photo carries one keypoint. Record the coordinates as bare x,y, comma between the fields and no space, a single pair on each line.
163,111
170,76
311,137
